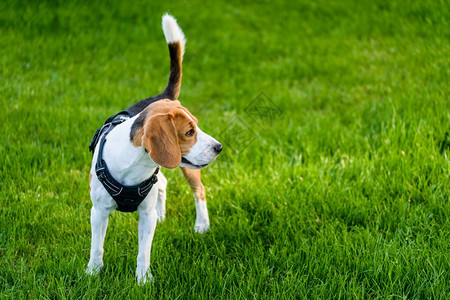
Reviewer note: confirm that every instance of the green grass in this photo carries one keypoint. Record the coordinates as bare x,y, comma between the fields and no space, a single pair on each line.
343,194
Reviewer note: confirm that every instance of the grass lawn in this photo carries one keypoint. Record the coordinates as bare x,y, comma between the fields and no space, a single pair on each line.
334,179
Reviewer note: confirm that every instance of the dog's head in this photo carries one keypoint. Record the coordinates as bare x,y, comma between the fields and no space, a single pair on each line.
171,136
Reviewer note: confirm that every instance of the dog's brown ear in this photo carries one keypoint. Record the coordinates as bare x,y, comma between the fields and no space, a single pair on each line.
160,139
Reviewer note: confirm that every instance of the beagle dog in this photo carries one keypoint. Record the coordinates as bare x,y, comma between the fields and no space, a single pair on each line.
158,132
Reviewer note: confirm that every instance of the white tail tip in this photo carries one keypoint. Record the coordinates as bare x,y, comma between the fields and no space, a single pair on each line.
172,31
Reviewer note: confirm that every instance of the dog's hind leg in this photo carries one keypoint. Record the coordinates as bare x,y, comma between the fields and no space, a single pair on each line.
194,179
99,223
161,201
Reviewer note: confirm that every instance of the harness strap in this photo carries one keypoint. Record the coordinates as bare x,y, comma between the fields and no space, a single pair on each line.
127,197
110,122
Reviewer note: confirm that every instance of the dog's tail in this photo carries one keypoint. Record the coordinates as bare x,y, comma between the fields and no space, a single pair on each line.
176,43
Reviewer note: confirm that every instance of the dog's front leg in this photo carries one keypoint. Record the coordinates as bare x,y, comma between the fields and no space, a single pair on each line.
161,202
194,179
99,223
147,225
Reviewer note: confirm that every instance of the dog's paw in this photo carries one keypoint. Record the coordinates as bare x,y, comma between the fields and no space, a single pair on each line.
93,269
201,227
143,276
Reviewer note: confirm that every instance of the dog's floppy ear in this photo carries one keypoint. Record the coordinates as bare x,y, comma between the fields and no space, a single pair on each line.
160,139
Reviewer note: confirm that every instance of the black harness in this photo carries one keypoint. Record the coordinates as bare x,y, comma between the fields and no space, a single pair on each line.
127,197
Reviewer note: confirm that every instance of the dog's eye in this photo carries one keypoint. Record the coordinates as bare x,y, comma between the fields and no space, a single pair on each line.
190,132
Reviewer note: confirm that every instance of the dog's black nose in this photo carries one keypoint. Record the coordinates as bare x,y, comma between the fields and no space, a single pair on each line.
218,148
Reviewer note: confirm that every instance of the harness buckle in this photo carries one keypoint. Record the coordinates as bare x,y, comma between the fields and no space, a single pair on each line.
154,179
101,174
